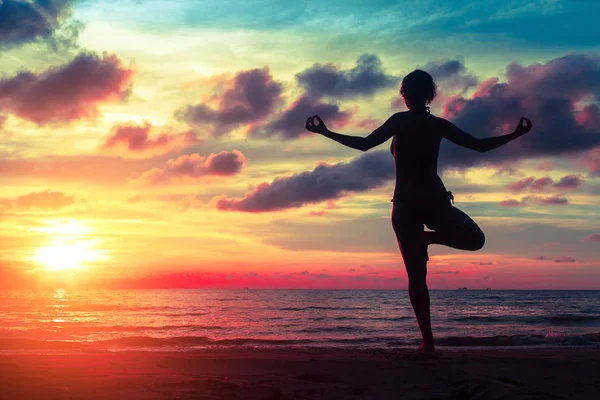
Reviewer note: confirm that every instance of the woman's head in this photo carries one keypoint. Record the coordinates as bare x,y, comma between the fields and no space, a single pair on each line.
418,89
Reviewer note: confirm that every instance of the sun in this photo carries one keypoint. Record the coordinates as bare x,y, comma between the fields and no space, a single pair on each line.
64,256
70,247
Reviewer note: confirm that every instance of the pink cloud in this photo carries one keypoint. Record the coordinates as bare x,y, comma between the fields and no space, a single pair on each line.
568,182
548,200
549,94
248,98
535,200
135,141
589,118
195,166
290,123
46,200
66,93
545,166
521,185
591,160
594,237
510,203
316,213
368,123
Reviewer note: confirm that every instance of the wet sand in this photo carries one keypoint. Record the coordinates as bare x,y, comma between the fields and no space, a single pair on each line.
260,374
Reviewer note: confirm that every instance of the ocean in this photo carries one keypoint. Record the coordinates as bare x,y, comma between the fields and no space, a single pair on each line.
182,320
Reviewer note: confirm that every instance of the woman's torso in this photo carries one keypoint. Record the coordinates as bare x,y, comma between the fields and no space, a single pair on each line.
416,148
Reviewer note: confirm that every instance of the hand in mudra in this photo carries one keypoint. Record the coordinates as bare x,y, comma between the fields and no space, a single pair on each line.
318,127
524,126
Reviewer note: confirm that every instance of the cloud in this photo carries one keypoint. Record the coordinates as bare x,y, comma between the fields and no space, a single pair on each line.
134,141
535,200
545,165
568,182
323,276
594,237
510,203
369,123
451,74
444,272
248,98
325,182
543,258
26,21
506,170
591,160
565,260
290,123
66,93
195,166
45,200
364,79
548,200
547,93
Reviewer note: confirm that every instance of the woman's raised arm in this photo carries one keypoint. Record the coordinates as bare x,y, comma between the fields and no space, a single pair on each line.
375,138
462,138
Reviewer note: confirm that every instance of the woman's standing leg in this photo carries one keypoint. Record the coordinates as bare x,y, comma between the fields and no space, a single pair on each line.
411,240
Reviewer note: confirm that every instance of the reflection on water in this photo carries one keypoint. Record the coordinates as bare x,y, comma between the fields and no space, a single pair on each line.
302,317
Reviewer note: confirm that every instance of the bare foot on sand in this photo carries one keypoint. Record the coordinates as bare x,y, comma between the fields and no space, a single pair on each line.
426,347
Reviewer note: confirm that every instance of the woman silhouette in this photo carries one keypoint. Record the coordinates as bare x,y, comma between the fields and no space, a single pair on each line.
420,197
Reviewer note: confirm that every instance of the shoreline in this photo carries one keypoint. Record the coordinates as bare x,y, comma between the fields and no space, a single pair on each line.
283,374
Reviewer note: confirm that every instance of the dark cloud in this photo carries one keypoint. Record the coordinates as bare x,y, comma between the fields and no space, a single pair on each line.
364,79
565,260
546,93
507,170
133,140
510,203
568,182
248,98
290,123
66,93
195,166
451,74
444,272
25,21
323,276
45,200
543,258
594,237
323,183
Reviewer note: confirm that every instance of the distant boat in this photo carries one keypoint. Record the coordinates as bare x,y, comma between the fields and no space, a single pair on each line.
488,288
462,288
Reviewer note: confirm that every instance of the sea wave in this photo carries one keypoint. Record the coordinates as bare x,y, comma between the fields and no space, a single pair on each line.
557,320
193,342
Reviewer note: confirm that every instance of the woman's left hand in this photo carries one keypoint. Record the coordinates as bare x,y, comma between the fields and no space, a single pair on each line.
319,127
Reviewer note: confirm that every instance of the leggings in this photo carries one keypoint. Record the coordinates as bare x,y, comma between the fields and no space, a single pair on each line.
451,226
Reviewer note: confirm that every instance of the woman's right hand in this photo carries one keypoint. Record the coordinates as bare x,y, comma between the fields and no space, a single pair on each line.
524,126
319,127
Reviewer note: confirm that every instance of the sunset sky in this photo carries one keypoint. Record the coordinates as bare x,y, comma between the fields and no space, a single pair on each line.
162,144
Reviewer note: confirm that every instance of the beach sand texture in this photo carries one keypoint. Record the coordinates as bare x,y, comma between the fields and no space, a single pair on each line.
304,374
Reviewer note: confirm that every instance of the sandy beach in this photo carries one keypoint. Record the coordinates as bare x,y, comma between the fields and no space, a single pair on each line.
304,374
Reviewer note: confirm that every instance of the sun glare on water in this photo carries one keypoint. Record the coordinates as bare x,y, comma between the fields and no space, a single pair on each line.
71,247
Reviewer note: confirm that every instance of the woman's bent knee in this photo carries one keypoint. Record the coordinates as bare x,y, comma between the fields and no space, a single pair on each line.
479,242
